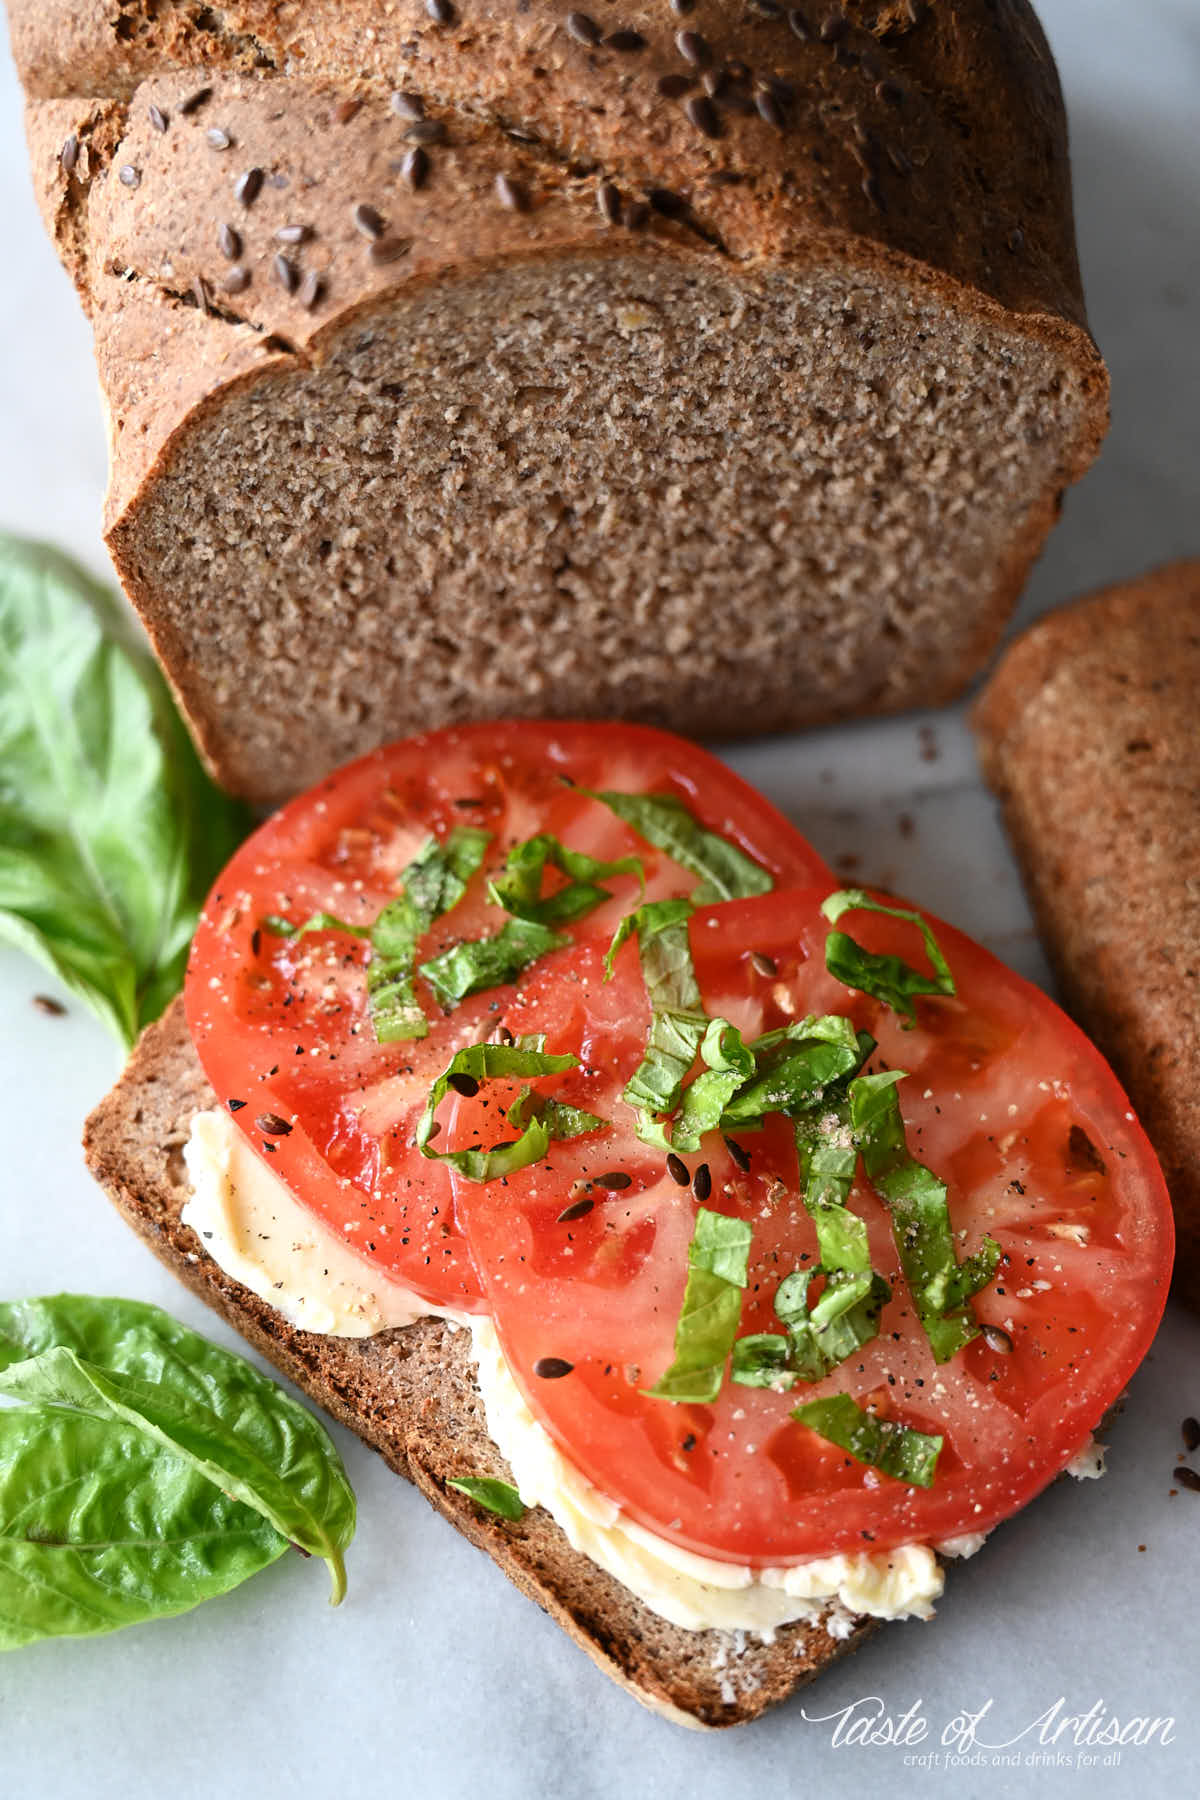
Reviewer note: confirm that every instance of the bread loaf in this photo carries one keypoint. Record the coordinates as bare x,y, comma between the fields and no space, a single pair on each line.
720,366
412,1396
1088,734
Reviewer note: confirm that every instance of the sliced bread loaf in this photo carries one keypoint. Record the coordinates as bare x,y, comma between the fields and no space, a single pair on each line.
1088,733
411,1395
723,371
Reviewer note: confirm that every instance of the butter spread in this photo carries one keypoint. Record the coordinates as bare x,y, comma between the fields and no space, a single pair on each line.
253,1227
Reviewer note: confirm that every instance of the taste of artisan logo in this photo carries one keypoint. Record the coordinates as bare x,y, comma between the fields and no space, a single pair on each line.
1057,1738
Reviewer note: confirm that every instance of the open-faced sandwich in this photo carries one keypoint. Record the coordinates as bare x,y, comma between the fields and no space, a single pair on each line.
722,1249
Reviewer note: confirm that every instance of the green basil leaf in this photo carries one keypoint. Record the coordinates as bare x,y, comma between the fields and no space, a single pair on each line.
519,889
940,1285
718,1261
486,1062
494,1496
726,872
123,1360
560,1121
483,963
678,1021
730,1065
318,921
762,1359
796,1066
886,978
434,882
102,1528
897,1450
110,831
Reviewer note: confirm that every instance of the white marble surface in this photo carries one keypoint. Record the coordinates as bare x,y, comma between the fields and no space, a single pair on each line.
435,1677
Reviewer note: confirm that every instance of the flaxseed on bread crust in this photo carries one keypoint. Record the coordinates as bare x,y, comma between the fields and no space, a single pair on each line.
1089,732
411,1395
487,359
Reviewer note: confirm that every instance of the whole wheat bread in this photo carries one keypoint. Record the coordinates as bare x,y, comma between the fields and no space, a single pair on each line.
411,1395
1088,733
481,359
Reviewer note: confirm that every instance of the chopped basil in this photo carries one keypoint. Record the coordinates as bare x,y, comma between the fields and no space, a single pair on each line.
485,1062
726,872
940,1285
897,1450
718,1265
519,889
762,1359
677,1019
796,1065
494,1496
318,921
886,978
434,882
844,1318
730,1064
483,963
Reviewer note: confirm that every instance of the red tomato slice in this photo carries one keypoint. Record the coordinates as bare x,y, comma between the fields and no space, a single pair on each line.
282,1025
1005,1100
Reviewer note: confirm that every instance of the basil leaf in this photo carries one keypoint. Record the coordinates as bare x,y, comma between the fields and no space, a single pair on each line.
483,963
678,1021
797,1065
730,1064
718,1261
494,1496
762,1359
434,882
940,1285
560,1121
110,831
726,872
519,889
102,1528
484,1062
886,978
230,1424
897,1450
130,1339
318,921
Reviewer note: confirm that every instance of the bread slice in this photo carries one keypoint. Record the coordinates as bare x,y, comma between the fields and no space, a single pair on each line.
732,411
1089,734
411,1395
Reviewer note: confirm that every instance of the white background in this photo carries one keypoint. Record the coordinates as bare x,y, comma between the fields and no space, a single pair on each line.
435,1676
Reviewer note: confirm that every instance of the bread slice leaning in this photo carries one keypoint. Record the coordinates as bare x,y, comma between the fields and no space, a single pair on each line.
411,1395
1088,734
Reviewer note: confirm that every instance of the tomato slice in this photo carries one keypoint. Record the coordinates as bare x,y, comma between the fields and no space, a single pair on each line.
282,1024
1005,1100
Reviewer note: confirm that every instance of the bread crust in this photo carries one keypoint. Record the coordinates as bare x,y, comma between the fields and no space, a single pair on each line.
1087,734
411,1395
918,147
